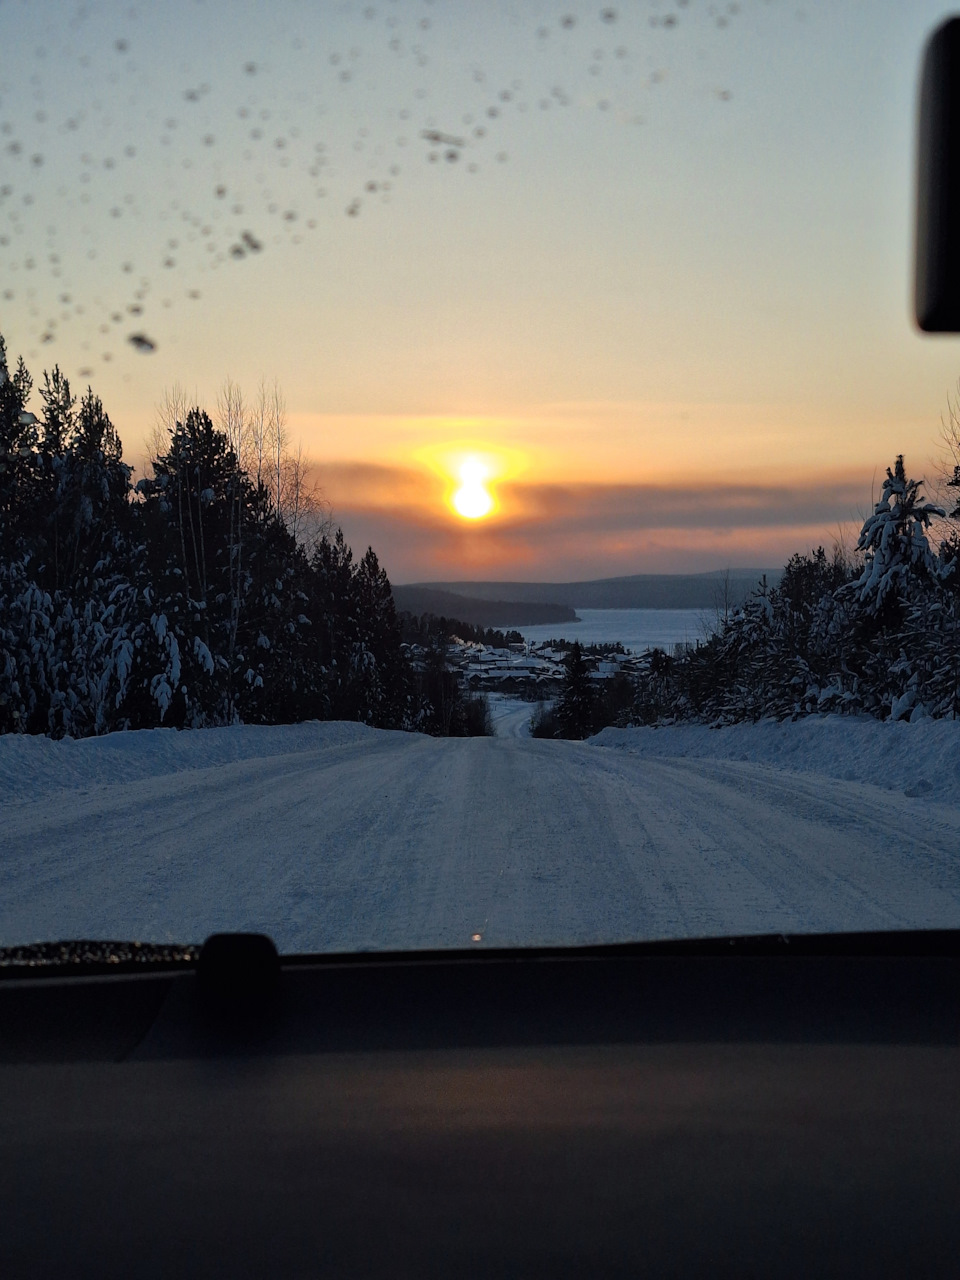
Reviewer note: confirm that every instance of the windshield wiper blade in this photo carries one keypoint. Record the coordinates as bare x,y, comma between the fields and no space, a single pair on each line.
85,955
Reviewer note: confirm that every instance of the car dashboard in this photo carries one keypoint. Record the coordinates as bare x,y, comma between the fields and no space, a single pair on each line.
740,1106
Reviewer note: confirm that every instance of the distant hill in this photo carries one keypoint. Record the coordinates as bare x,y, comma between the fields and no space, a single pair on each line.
639,591
487,612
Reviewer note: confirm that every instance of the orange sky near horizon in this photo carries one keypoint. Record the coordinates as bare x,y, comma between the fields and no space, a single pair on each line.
665,493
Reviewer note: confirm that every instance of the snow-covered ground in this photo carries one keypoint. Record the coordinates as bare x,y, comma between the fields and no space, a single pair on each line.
334,836
920,759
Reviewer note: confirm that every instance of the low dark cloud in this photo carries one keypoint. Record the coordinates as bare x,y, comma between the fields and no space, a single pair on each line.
605,508
565,531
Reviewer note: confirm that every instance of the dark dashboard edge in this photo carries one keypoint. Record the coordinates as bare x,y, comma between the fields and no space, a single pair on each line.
880,943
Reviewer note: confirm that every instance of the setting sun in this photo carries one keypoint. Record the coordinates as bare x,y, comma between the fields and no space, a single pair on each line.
472,500
474,477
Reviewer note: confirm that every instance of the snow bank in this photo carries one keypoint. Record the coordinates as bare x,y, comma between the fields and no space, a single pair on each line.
920,759
34,766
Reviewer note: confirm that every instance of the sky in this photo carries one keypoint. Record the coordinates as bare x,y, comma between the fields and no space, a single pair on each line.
645,269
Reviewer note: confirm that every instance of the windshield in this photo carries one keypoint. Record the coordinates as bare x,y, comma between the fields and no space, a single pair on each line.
469,476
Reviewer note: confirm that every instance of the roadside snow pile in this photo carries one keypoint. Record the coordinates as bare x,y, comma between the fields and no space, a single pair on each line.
32,765
920,759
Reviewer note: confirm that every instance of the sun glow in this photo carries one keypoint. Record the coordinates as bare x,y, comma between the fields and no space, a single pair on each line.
476,477
472,500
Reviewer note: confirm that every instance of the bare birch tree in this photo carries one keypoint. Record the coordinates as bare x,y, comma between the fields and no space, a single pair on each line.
232,417
233,421
285,470
305,511
278,437
948,480
260,439
255,459
173,408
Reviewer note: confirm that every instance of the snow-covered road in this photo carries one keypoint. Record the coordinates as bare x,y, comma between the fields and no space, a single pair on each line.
511,717
339,837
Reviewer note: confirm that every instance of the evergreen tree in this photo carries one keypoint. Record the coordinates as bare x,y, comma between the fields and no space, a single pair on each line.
894,543
576,703
954,483
56,430
92,496
357,637
228,578
385,693
440,695
19,473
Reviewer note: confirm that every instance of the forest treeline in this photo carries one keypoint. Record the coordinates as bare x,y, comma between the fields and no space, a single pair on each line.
186,599
432,628
194,598
875,633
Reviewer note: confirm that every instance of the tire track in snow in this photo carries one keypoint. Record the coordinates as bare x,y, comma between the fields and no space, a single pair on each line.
397,840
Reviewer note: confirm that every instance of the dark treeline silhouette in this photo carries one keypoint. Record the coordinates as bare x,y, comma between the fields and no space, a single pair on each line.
585,705
878,634
450,711
185,600
427,628
598,650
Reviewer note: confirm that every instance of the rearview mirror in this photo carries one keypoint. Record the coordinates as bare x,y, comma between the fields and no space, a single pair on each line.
937,286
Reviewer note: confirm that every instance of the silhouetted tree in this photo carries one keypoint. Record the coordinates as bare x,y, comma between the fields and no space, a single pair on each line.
576,704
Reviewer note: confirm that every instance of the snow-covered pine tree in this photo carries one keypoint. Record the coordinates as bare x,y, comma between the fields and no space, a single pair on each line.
19,474
56,430
893,597
934,625
28,651
384,682
954,483
336,626
655,695
92,497
894,543
191,604
576,703
198,578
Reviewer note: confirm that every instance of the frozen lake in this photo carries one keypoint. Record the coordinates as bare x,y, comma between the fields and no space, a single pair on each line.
636,629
